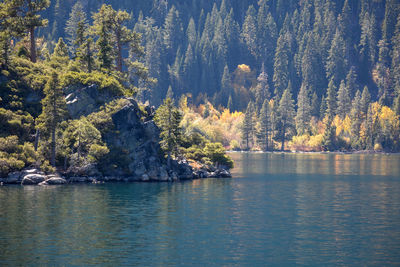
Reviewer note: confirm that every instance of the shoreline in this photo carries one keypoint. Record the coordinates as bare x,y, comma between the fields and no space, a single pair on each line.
32,176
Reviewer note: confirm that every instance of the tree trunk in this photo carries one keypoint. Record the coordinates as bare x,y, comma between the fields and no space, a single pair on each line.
89,57
33,43
283,138
37,137
119,58
79,148
53,147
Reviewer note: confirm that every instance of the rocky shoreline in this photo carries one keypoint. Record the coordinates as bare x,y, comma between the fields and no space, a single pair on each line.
33,176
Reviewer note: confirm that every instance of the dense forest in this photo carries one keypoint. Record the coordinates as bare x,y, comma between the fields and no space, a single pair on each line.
266,75
227,53
196,46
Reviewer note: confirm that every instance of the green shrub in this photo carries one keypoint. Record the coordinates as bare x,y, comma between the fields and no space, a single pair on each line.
216,153
102,80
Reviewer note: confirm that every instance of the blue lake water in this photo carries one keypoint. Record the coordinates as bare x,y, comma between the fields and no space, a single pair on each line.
279,209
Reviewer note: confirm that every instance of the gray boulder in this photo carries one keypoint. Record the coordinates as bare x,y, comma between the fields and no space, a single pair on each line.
33,179
56,180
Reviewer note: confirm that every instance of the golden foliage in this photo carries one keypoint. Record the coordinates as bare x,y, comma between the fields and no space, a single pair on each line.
223,127
244,68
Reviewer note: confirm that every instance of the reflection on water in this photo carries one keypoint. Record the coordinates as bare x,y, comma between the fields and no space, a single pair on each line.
317,163
285,209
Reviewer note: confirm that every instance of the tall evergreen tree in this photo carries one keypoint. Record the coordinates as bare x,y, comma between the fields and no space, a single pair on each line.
54,110
248,125
172,31
249,30
225,87
29,11
262,88
365,100
336,64
382,74
343,101
11,26
395,67
303,116
281,71
168,119
331,101
286,115
315,106
265,126
76,27
351,81
368,40
356,119
60,57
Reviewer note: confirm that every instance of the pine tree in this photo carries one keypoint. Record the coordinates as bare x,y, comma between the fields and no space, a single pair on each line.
168,119
249,30
356,119
351,81
323,107
389,22
383,81
395,67
54,111
329,138
11,26
172,31
343,101
336,64
315,106
76,27
225,86
104,54
365,100
60,57
368,40
281,71
311,64
265,126
262,88
331,101
345,23
248,125
191,33
29,12
286,114
85,55
303,115
114,36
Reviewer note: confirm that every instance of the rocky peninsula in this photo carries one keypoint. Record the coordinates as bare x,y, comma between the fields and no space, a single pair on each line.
133,137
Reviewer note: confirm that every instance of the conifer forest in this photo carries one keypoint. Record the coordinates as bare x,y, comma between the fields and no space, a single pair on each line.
298,75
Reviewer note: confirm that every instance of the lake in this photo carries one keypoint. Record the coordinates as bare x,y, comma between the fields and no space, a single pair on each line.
278,209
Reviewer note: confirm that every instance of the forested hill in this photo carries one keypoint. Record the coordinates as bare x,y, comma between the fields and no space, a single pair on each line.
196,46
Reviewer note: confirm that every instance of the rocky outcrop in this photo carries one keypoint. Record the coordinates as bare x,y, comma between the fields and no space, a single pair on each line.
211,172
83,100
133,141
137,140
